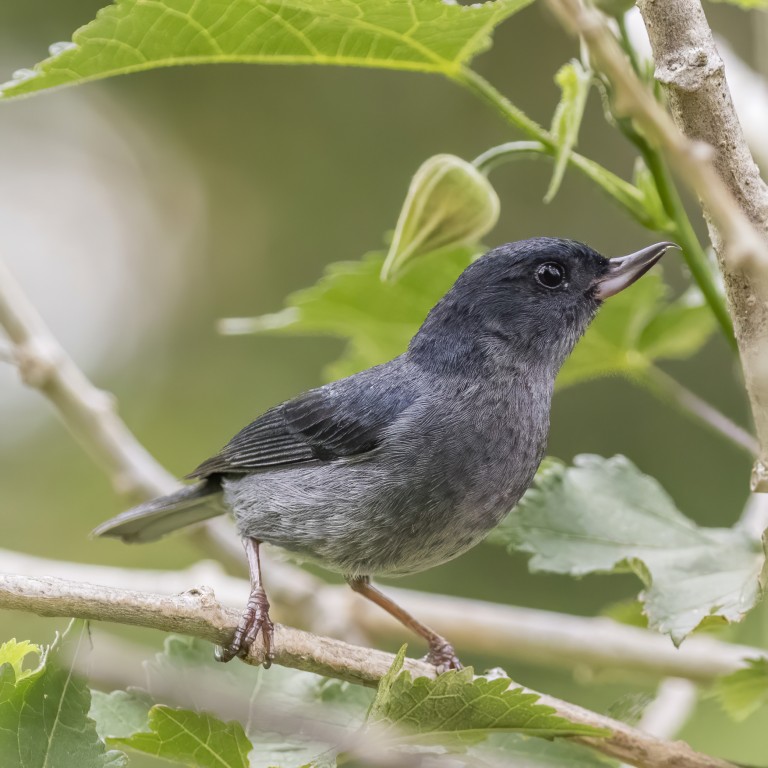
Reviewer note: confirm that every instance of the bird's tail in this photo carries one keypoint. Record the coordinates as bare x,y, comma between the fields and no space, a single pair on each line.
155,518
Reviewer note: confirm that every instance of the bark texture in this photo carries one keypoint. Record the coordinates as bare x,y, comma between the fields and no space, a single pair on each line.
691,70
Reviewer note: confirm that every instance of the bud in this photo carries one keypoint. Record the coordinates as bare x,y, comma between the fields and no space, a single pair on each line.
449,203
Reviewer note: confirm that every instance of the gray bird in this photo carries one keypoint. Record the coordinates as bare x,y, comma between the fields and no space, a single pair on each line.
408,464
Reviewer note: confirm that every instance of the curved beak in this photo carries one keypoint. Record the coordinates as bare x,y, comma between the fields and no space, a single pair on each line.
624,270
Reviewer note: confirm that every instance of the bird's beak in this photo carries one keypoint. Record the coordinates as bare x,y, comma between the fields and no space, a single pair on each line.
624,270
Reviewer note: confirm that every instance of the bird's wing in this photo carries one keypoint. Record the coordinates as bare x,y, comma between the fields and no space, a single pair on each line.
346,418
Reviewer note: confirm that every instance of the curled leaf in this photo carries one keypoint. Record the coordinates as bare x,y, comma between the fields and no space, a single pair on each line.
449,204
574,82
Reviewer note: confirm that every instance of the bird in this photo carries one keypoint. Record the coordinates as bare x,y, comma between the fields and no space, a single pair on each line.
408,464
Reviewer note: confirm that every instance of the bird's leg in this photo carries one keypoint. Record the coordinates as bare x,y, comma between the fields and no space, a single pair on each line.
255,618
441,652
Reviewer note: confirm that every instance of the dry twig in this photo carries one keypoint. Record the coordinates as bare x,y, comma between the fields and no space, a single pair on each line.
197,613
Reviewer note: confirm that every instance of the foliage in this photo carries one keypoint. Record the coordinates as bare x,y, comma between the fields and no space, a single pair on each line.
453,711
574,82
44,712
449,204
132,35
632,331
192,738
743,692
597,516
458,707
603,515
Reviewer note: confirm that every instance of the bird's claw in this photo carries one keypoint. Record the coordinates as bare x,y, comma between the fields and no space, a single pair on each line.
255,620
442,655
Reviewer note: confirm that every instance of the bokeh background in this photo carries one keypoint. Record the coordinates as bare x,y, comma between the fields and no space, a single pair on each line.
138,211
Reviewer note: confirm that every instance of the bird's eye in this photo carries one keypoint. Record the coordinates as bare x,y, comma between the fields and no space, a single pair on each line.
550,275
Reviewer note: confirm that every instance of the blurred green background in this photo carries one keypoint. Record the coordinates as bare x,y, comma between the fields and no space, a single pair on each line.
259,177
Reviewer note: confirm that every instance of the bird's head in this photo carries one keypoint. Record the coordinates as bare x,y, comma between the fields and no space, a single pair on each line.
526,303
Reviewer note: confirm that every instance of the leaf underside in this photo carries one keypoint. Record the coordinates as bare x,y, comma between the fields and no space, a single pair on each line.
604,515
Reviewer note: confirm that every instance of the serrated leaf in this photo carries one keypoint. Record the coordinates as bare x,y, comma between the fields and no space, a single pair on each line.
604,515
379,318
44,714
743,692
574,82
630,707
456,708
14,653
136,35
351,301
186,671
121,713
192,738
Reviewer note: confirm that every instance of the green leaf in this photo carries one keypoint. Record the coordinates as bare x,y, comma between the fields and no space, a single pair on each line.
216,694
637,327
192,738
351,301
14,653
629,611
44,713
121,713
746,4
450,204
743,692
136,35
379,318
574,82
454,708
656,215
604,515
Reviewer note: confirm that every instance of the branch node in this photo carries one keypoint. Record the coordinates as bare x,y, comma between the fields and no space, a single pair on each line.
759,480
690,69
36,361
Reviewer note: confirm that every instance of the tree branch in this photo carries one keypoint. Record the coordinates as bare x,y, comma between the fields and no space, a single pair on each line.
197,613
88,412
523,634
689,66
738,233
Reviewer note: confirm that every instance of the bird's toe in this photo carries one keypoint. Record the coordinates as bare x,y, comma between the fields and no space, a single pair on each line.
443,656
255,620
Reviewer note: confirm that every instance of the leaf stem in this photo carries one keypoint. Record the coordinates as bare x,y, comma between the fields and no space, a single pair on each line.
626,194
671,390
693,253
622,191
615,187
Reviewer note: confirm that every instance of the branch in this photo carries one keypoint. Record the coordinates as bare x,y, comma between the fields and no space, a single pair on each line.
738,232
88,412
493,629
197,613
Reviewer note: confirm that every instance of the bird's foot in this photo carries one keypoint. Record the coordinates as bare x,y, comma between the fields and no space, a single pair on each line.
255,620
442,655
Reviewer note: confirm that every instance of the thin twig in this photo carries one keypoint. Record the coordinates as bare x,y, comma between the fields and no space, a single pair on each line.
522,634
7,354
197,613
88,412
669,388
